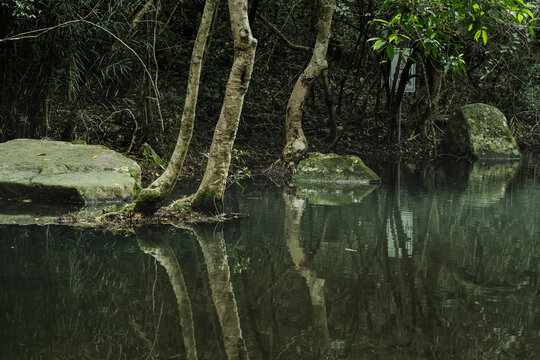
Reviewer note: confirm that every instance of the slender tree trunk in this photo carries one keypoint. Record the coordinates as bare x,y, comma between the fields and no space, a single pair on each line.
151,198
332,118
209,196
430,93
296,143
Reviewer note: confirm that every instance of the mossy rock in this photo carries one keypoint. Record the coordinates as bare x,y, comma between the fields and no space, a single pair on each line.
334,169
60,172
481,132
150,156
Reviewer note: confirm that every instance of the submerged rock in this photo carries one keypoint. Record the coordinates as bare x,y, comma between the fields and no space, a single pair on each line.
480,131
333,169
61,172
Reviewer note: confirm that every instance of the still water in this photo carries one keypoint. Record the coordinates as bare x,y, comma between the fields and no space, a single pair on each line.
432,264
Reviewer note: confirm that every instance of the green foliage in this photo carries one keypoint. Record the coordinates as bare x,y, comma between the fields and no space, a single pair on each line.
22,8
238,171
437,27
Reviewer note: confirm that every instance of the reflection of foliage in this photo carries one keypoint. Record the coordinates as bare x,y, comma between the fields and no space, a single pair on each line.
238,260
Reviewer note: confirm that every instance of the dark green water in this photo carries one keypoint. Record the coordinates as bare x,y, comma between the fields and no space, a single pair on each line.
433,264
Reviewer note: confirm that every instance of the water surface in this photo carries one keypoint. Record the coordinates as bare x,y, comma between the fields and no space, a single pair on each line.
433,264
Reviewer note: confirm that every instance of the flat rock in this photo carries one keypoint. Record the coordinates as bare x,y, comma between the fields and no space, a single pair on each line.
333,169
480,131
61,172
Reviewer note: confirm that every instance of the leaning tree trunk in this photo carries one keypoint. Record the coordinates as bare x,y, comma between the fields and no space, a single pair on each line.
296,143
152,197
209,196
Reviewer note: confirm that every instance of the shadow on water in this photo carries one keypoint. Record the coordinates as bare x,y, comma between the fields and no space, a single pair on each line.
433,264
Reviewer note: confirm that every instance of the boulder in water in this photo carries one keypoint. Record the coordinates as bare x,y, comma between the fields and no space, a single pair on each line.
480,131
60,172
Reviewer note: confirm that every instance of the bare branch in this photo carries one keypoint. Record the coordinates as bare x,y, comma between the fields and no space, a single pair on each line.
283,37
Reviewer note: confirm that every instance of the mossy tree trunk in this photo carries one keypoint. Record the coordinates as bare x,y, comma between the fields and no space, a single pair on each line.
296,143
209,196
152,197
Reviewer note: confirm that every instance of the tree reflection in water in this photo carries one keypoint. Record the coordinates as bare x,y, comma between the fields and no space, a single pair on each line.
165,255
214,252
215,255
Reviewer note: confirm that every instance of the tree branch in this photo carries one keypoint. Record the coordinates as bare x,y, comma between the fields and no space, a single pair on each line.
283,37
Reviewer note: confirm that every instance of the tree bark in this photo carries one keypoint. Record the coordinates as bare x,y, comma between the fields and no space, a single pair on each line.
429,94
152,197
209,196
296,143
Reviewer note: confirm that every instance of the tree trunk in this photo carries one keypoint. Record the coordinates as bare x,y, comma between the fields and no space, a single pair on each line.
296,143
429,94
152,197
209,196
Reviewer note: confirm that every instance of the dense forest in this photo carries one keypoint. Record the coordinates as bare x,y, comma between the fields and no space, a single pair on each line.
282,76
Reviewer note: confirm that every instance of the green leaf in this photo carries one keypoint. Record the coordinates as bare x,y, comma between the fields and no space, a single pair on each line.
395,19
477,35
484,36
390,51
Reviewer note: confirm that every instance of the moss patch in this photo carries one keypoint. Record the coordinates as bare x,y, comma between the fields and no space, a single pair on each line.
334,169
480,131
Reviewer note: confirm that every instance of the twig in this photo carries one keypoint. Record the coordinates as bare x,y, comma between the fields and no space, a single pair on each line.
282,36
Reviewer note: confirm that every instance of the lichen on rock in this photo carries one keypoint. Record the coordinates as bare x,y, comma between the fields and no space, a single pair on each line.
60,172
333,169
481,132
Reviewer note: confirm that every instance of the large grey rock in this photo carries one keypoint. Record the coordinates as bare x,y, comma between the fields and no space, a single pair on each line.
333,169
61,172
480,131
